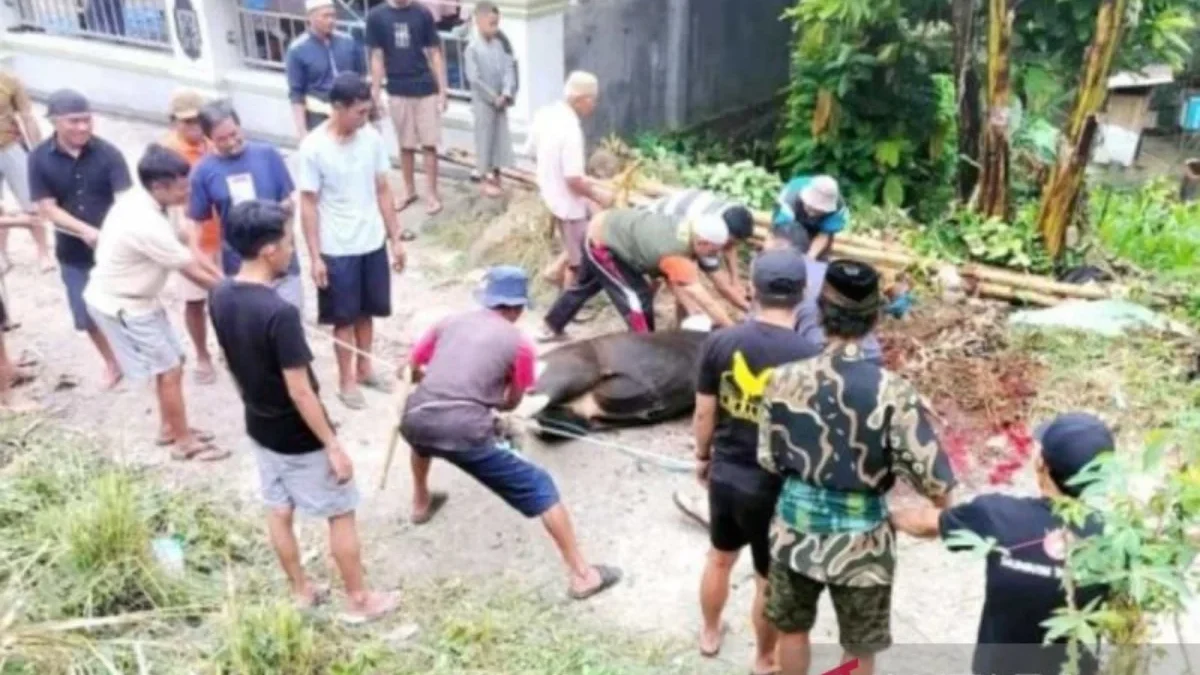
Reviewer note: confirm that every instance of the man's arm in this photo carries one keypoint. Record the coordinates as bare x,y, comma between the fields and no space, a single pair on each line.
437,62
521,376
422,353
766,455
49,210
696,299
473,69
575,171
733,293
818,245
200,272
377,73
23,220
310,224
305,399
917,454
921,521
297,79
26,119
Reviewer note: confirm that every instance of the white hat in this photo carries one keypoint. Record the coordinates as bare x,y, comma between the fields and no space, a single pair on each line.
711,228
313,5
821,194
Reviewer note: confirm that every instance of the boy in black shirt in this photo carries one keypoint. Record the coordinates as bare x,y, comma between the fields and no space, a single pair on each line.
1024,585
300,461
734,365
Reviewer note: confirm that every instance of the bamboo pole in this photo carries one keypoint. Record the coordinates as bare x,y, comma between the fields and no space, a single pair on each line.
1002,292
1032,282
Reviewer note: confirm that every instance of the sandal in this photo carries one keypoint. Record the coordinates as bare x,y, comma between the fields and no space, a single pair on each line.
212,453
353,400
198,434
387,603
377,383
436,501
434,208
320,596
184,454
205,375
609,576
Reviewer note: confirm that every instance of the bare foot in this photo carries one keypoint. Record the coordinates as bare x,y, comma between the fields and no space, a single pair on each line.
310,596
205,373
423,513
112,377
434,207
46,264
19,407
491,190
710,641
372,606
766,666
406,201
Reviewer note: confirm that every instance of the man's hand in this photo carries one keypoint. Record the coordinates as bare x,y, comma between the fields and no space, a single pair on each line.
703,471
320,275
399,255
90,236
340,464
443,102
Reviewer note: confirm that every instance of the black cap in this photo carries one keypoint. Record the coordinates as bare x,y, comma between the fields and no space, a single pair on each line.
779,274
1069,443
740,222
67,102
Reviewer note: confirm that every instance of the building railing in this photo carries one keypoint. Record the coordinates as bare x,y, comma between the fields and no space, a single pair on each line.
266,34
140,23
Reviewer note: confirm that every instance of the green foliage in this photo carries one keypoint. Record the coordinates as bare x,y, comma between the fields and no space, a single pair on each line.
1150,228
866,103
741,181
966,235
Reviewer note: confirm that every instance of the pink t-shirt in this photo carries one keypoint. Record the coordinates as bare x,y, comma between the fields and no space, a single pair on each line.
556,142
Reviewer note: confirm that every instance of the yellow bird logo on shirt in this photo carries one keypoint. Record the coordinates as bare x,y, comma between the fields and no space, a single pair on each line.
742,389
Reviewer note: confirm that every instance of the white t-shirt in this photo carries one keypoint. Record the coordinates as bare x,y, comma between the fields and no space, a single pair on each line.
139,247
342,174
556,142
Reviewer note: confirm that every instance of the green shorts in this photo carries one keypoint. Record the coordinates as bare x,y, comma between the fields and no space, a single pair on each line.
864,613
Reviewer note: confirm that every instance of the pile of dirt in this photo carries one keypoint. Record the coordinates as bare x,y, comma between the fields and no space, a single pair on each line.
980,390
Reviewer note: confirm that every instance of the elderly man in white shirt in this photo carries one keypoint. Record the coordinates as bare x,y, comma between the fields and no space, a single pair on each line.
557,144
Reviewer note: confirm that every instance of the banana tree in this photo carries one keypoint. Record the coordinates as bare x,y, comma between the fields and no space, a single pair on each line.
993,183
966,91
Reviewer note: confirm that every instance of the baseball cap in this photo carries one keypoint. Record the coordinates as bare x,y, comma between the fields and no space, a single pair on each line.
822,194
506,286
185,104
779,274
1069,443
67,102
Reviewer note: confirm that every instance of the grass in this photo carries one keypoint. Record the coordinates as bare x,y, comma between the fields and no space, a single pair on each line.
81,591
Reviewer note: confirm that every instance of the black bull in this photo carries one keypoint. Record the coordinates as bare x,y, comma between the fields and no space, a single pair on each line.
619,379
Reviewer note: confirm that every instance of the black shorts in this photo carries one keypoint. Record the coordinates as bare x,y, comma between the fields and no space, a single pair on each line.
360,286
737,518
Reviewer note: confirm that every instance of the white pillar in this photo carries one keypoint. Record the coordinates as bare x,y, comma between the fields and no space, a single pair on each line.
204,37
536,30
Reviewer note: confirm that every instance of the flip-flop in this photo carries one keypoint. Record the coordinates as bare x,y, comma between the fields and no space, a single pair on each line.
609,576
27,360
355,619
21,377
434,208
713,653
353,400
377,383
184,454
198,434
406,202
211,453
320,596
436,501
205,376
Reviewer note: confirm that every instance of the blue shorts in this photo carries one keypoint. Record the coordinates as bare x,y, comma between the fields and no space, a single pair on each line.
523,485
360,286
76,279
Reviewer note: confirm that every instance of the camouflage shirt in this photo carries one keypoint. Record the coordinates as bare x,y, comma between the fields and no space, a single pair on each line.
839,429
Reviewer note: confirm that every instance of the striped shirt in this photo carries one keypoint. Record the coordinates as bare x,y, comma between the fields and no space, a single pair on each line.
690,204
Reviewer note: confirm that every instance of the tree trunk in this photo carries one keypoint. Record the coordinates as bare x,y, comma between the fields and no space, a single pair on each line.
993,184
1066,178
966,89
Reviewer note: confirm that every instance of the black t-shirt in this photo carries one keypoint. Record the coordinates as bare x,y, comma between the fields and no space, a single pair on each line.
403,34
261,335
734,365
1024,588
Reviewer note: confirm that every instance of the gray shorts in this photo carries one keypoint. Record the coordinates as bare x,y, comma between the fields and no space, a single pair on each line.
145,345
14,170
303,482
573,233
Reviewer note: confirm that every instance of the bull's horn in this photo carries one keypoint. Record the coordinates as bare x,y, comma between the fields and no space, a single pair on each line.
531,405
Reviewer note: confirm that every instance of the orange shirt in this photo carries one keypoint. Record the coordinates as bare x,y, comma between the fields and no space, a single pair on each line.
210,230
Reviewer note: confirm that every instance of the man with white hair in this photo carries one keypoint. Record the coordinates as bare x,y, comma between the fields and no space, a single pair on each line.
556,142
625,246
813,203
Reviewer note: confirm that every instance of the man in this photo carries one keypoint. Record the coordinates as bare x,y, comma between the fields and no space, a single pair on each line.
808,315
1024,574
139,247
406,48
492,74
301,464
19,131
814,204
237,171
734,362
556,142
468,366
694,203
840,430
75,177
314,59
187,138
623,247
346,210
10,375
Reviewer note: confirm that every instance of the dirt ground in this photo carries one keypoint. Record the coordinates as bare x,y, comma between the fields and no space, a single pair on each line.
623,511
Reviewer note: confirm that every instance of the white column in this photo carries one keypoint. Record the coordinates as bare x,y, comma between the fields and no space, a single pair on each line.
536,30
204,36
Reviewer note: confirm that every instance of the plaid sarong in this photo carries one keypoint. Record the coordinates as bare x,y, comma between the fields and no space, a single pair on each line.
814,510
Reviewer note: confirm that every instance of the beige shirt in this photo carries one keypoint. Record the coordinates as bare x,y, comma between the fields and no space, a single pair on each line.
14,101
138,249
556,142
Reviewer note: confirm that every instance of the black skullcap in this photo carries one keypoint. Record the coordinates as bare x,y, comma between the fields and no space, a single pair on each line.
856,281
740,222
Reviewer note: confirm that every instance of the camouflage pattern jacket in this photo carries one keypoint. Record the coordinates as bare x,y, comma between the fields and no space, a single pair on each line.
839,429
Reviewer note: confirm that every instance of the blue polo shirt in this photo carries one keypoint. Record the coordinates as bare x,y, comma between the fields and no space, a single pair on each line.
85,187
831,223
312,64
217,183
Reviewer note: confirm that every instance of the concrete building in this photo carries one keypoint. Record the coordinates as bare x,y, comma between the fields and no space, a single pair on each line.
661,62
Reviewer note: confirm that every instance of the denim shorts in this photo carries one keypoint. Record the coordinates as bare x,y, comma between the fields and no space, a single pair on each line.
523,485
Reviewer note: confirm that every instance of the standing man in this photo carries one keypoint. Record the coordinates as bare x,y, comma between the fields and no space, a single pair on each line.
469,366
301,463
839,430
75,177
1023,585
204,237
139,247
407,50
814,204
492,73
314,59
626,246
9,373
346,210
238,171
557,145
19,132
734,364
